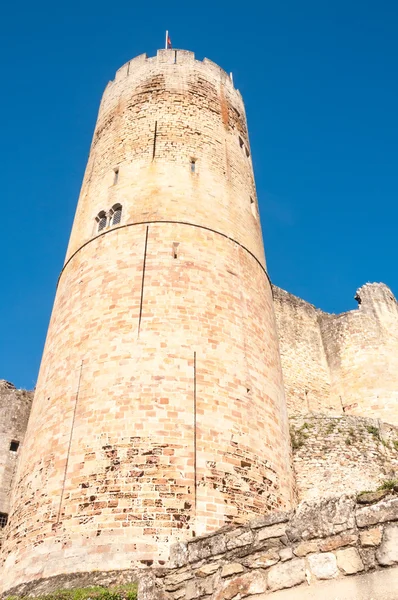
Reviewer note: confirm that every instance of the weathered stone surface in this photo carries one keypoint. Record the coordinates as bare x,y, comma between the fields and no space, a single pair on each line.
387,554
254,582
338,541
286,575
239,538
262,559
323,566
231,569
171,582
349,561
386,510
271,532
305,548
271,519
371,537
206,547
178,555
197,588
322,518
285,554
207,569
370,497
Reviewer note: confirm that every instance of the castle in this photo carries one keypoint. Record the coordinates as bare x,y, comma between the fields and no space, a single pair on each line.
172,365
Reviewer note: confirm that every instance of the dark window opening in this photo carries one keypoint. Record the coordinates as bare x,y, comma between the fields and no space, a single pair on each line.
3,520
175,249
14,446
241,144
116,176
101,220
193,165
116,214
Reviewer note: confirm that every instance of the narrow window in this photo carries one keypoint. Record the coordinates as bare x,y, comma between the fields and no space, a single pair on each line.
241,144
116,175
14,446
3,520
253,207
101,220
154,140
247,151
193,165
116,214
175,249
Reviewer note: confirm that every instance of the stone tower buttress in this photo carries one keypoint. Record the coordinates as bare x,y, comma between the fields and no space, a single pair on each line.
159,412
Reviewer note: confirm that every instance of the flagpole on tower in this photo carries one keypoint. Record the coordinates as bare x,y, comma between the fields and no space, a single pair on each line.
167,37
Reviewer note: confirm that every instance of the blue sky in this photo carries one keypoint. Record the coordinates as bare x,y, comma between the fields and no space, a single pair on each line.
319,80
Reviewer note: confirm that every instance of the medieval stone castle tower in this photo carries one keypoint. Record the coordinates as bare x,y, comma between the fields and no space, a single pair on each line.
161,411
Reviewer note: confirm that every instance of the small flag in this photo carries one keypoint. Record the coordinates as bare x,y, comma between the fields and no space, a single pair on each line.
169,46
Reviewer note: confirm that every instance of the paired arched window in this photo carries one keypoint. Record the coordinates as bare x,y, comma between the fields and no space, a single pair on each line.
109,219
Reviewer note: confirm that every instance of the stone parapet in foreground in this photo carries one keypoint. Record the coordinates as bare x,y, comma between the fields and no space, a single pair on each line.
332,549
335,548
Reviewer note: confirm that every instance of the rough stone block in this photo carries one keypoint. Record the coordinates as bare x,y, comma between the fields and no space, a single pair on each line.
378,513
387,554
254,582
349,561
271,532
323,565
262,559
231,569
371,537
286,575
285,554
321,519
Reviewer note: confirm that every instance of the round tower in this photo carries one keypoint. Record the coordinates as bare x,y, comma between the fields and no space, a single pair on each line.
159,412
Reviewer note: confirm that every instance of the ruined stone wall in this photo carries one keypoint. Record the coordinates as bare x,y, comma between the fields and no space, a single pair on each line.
305,369
345,363
160,402
362,353
15,408
333,455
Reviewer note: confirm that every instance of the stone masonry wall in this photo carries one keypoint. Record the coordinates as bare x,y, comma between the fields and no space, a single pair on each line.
160,400
333,455
15,408
314,549
340,364
339,548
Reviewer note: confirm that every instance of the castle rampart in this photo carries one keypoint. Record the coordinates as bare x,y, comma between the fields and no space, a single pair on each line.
340,364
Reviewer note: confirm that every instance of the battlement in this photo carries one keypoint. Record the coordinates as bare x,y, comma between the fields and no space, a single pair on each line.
172,57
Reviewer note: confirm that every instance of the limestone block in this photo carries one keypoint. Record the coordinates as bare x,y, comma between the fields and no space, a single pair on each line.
349,561
207,569
285,554
323,565
326,517
378,513
231,569
387,554
371,537
208,546
338,541
286,575
271,519
305,548
271,532
238,538
172,582
254,582
178,555
197,588
262,559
